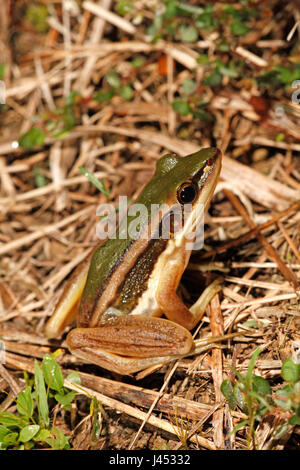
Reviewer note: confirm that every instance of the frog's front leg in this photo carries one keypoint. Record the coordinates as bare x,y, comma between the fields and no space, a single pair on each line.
171,304
131,343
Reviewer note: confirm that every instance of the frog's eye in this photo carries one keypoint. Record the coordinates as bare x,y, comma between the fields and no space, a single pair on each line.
187,193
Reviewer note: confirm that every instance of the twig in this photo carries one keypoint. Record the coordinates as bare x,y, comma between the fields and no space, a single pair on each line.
148,416
286,272
246,236
27,239
289,240
110,17
251,57
121,407
217,328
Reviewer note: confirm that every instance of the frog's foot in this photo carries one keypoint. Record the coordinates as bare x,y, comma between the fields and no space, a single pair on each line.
130,344
199,307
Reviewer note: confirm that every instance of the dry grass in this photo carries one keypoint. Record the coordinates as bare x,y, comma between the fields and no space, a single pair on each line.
252,235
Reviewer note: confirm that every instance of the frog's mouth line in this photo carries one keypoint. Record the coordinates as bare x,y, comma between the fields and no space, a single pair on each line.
211,170
207,191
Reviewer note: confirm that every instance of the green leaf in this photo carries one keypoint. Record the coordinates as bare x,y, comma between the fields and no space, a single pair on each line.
113,79
37,14
229,71
203,115
239,396
287,75
72,97
282,397
155,27
191,9
39,178
66,399
281,431
52,373
227,390
267,79
295,420
290,371
10,420
189,87
74,377
206,19
213,79
25,402
124,6
170,8
262,402
261,386
188,33
202,59
238,28
3,431
251,324
28,432
182,107
223,47
2,71
104,96
42,435
138,62
280,137
99,184
4,437
58,440
126,92
94,408
41,395
69,117
10,439
239,426
61,134
252,365
35,137
236,14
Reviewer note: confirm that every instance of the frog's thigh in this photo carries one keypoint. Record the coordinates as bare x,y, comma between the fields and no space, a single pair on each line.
131,343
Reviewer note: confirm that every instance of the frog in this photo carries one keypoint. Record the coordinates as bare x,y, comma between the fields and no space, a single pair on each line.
124,296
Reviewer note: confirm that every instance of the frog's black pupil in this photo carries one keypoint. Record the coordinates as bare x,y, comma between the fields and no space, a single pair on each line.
187,194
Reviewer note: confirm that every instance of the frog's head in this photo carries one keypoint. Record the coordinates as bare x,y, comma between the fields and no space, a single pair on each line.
189,177
181,182
183,179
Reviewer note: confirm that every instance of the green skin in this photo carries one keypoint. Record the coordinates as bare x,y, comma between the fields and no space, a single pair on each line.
171,172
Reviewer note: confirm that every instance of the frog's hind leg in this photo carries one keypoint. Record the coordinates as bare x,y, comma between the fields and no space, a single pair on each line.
130,343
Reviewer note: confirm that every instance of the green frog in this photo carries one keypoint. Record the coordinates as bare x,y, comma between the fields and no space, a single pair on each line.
124,296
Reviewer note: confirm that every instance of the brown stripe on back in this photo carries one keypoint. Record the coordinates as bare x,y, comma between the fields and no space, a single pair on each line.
137,279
